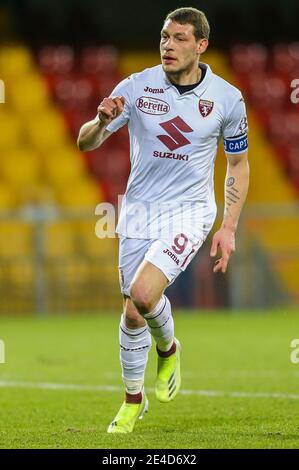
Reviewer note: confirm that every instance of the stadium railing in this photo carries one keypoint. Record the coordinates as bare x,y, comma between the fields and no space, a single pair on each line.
52,262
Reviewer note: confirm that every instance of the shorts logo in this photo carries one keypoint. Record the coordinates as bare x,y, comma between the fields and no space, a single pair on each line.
205,107
172,256
153,106
153,90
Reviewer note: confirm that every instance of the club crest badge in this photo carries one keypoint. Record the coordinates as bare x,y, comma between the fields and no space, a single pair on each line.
205,107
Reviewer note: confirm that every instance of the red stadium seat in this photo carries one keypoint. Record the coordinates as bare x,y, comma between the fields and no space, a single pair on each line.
278,129
286,57
59,59
99,60
247,58
294,159
267,91
74,92
75,118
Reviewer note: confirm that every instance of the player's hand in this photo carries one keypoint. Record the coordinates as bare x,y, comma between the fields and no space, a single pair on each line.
110,108
225,240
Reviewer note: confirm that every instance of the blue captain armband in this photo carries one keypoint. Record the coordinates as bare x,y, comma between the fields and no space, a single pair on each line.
236,144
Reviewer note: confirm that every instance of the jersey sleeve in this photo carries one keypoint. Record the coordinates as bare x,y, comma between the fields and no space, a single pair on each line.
125,89
235,128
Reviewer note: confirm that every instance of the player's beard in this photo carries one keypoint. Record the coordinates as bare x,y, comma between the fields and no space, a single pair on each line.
174,75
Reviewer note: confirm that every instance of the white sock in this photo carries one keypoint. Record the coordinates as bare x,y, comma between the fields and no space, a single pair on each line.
134,347
133,386
160,324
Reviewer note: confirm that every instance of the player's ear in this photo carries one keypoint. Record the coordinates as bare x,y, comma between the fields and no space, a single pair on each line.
202,46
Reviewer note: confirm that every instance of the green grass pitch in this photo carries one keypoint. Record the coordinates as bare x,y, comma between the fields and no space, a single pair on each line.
239,387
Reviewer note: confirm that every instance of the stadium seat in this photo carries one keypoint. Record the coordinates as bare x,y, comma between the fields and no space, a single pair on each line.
28,95
67,276
59,240
56,60
15,61
76,118
286,57
278,127
100,60
11,131
83,194
105,85
8,198
20,169
63,167
74,92
47,131
247,58
16,240
20,275
267,91
111,163
91,245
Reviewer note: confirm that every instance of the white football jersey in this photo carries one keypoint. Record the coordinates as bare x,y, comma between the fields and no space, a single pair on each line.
173,145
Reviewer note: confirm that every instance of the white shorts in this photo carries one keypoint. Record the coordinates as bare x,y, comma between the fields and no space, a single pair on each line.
171,257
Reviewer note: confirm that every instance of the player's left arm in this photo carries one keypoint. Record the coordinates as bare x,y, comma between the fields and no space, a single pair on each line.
234,132
235,192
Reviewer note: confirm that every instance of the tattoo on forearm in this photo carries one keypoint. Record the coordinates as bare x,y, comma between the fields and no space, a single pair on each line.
230,199
230,181
231,193
235,189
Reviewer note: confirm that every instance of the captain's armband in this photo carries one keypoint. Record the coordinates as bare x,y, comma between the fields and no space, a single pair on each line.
236,144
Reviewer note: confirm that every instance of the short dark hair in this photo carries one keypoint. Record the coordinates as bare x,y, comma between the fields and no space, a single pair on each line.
190,15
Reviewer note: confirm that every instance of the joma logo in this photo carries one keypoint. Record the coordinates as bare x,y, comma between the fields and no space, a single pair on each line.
153,90
172,256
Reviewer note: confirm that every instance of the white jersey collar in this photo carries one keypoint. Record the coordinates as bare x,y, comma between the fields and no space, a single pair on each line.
199,89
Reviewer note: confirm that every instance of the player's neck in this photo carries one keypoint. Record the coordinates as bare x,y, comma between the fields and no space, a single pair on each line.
185,77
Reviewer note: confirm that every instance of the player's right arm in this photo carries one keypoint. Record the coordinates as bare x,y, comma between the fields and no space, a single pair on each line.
93,133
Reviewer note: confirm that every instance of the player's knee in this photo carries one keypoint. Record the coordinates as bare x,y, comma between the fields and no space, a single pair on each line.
142,297
132,317
134,320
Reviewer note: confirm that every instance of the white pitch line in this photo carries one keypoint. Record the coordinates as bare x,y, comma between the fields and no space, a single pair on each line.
115,388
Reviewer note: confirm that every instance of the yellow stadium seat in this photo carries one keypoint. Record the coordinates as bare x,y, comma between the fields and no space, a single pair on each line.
216,60
28,95
20,169
93,246
63,166
36,194
81,194
15,239
47,131
59,239
73,272
8,197
15,61
21,273
11,131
